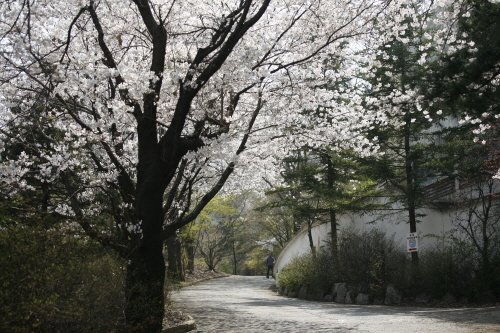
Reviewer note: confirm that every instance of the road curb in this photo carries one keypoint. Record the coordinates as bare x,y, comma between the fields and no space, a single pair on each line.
183,327
192,283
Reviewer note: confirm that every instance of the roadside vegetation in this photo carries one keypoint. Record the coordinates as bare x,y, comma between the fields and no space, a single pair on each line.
370,263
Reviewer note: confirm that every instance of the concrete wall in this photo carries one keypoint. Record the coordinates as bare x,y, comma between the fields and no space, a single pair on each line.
434,223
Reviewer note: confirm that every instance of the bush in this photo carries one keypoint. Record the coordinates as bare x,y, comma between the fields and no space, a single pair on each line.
54,281
370,259
313,272
452,267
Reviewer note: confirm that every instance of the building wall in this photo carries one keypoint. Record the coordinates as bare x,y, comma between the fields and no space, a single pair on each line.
434,223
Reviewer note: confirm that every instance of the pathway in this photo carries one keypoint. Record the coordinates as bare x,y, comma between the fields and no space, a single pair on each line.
247,304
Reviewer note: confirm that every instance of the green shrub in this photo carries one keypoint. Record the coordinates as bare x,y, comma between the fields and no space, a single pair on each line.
53,281
452,267
313,272
369,261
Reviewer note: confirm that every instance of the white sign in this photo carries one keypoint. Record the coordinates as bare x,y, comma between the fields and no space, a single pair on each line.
412,242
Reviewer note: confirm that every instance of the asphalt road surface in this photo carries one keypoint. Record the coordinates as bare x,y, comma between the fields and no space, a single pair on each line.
247,304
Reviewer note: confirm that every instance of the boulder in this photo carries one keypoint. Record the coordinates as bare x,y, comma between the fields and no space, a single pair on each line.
392,296
448,298
485,297
334,290
316,295
363,299
349,297
341,291
422,299
303,292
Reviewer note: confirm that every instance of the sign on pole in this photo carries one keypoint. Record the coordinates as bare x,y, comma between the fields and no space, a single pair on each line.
412,242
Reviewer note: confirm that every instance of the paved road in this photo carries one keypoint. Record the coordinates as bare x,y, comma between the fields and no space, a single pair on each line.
247,304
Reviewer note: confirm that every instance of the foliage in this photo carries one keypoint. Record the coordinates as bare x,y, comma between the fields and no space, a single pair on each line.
369,258
255,264
150,121
55,280
313,272
216,225
370,261
449,268
276,219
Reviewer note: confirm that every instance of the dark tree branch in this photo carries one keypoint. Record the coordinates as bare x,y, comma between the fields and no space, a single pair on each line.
222,179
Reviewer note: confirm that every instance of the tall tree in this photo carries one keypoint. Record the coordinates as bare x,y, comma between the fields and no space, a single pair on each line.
396,79
466,88
322,184
152,97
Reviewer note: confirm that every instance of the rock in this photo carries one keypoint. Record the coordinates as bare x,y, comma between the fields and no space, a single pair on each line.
334,290
422,299
363,299
186,326
364,288
392,296
328,298
349,297
448,298
303,292
316,295
341,289
485,297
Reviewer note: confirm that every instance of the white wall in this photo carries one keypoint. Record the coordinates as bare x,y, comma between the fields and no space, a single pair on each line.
434,223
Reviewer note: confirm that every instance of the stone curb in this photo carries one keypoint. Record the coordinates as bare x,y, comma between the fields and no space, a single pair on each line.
189,324
188,284
186,326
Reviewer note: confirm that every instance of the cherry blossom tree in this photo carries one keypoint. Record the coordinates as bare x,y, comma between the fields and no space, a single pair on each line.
145,108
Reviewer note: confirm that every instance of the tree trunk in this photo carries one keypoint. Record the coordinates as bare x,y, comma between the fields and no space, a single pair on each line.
410,189
334,238
174,259
144,308
234,258
309,235
333,215
178,251
145,278
190,251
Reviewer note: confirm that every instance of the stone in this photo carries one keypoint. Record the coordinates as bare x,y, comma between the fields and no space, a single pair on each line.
186,326
302,292
448,298
316,295
349,297
364,288
485,297
392,296
341,289
422,299
363,299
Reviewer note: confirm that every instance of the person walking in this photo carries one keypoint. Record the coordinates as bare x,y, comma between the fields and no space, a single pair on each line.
270,265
